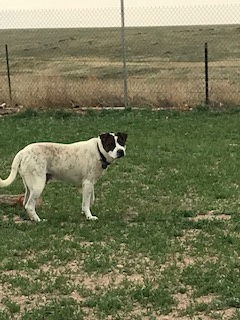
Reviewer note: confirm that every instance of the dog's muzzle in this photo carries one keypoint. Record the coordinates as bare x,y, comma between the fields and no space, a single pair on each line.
120,153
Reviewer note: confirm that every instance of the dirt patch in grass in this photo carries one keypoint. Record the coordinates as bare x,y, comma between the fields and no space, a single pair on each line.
14,273
227,313
73,267
113,280
78,276
16,219
211,215
5,290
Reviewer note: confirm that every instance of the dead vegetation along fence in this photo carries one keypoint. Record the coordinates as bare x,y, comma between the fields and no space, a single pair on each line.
151,57
126,104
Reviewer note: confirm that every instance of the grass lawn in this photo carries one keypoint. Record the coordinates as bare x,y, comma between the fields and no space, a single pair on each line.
167,242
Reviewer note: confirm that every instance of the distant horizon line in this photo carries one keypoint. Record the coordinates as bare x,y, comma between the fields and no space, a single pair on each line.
129,27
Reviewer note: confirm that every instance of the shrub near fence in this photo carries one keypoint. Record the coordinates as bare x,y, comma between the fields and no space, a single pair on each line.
81,63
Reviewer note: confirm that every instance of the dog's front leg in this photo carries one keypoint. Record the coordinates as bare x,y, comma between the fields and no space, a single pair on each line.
87,191
92,198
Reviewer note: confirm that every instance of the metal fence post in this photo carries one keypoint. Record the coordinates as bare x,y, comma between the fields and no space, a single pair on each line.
206,75
124,53
8,74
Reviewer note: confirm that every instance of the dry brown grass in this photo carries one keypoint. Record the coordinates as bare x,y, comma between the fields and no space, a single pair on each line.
224,92
58,91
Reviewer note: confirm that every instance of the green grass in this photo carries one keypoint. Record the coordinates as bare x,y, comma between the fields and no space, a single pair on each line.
167,239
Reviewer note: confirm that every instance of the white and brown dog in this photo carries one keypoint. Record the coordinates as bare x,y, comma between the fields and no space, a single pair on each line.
81,163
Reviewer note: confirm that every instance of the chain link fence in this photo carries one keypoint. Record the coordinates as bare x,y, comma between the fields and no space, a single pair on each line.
74,58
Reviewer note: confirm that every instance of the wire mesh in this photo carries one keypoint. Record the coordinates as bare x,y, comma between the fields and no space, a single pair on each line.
75,57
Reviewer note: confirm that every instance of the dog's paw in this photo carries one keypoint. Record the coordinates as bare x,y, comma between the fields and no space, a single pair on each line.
92,218
35,219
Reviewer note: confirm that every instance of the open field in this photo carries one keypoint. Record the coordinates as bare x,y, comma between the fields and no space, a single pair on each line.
52,67
166,245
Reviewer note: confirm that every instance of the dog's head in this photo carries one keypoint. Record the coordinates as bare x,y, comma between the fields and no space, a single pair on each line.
114,144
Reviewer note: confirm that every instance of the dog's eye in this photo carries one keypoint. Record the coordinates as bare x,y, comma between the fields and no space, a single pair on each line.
111,144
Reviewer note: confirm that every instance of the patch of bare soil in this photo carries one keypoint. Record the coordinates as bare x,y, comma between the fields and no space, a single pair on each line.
15,273
227,314
4,291
186,299
107,280
77,277
16,219
211,215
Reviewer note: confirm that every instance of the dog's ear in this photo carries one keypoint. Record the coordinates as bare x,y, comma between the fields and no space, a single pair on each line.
122,138
108,141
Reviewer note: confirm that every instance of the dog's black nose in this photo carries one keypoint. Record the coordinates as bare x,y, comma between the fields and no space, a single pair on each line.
120,153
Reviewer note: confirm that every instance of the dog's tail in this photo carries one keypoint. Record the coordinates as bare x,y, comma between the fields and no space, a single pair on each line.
13,173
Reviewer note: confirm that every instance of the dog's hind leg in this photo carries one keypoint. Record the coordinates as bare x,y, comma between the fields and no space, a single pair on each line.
27,193
35,186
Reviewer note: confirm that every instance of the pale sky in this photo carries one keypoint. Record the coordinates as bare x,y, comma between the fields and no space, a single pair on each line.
59,4
106,13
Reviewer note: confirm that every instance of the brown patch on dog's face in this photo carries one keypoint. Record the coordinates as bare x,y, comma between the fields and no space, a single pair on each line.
108,142
121,138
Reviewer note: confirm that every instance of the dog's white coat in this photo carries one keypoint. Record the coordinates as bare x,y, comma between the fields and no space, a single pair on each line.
78,163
